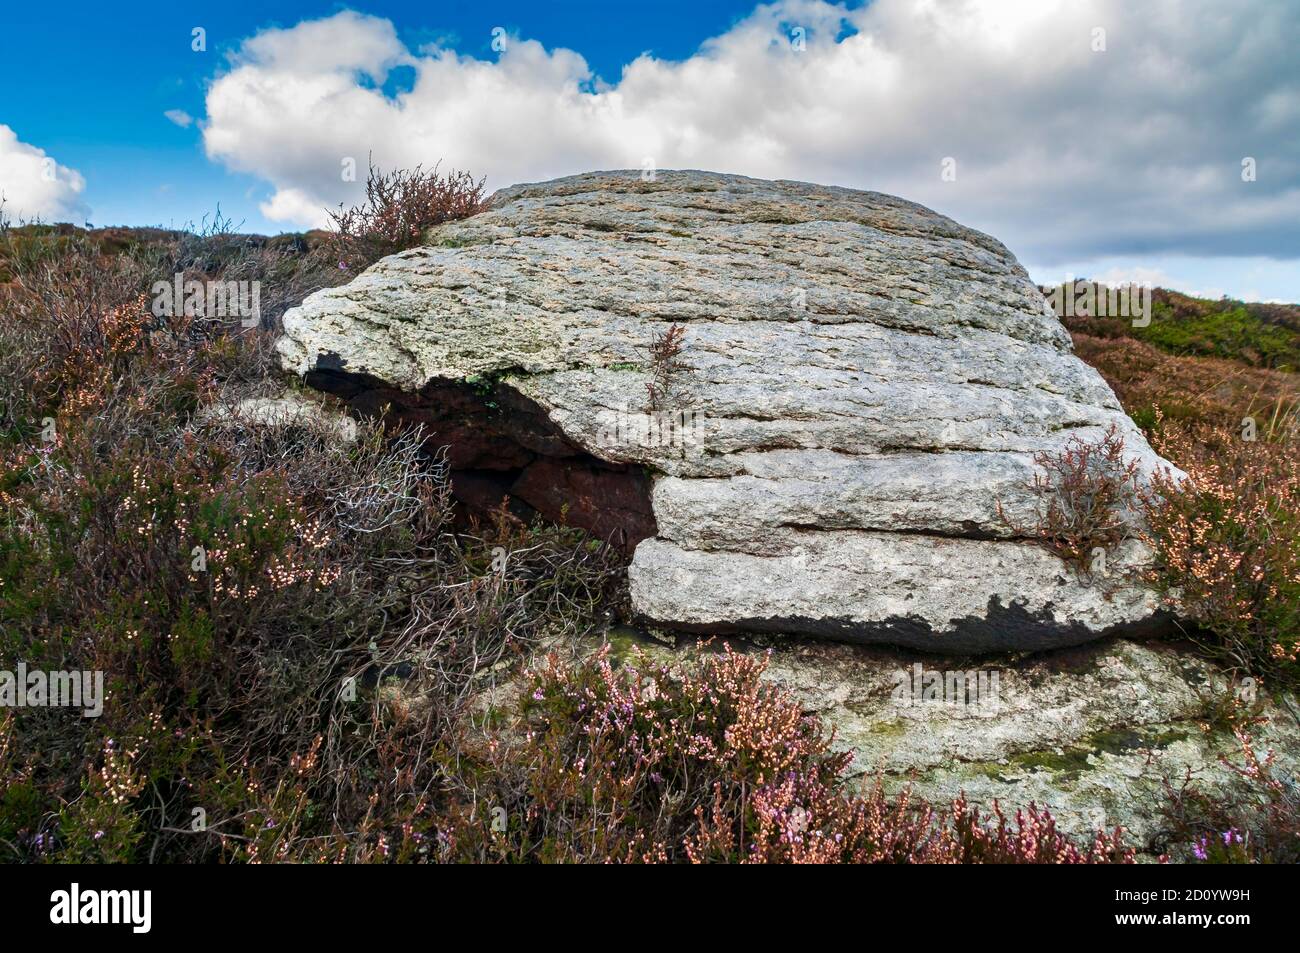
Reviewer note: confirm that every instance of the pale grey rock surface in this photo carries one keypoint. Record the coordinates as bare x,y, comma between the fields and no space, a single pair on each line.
866,381
288,409
1090,732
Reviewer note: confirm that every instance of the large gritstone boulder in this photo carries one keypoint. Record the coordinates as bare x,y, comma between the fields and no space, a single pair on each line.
802,409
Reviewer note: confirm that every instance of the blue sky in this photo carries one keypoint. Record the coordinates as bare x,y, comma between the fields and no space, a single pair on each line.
101,109
1095,138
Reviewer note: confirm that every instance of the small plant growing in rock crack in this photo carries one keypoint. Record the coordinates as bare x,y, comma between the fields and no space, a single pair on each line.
1253,819
1085,493
666,367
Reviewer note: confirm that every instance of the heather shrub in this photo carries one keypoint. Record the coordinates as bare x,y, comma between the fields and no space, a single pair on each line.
1188,390
400,207
72,321
1257,820
1227,544
1086,494
290,635
666,366
256,687
708,762
78,309
286,267
1225,540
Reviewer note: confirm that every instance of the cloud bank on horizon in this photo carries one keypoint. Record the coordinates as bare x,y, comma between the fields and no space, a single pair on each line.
1072,130
34,185
1060,149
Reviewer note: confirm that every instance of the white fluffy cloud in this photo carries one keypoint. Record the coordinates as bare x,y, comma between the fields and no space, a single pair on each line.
33,185
1063,151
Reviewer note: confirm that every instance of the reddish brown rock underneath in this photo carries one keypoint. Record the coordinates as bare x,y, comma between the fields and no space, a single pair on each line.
607,501
501,448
